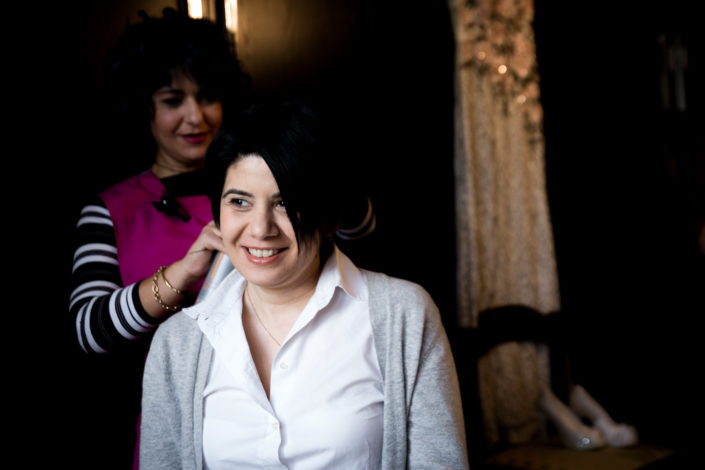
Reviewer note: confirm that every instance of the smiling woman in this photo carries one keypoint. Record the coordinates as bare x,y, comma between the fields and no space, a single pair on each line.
257,234
143,245
297,358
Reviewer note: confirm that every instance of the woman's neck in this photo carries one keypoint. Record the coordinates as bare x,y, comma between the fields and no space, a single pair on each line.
162,170
165,165
283,301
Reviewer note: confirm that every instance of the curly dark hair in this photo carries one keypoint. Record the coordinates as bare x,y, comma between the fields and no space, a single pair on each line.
149,53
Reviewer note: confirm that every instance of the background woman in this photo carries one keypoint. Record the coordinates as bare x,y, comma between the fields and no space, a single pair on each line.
140,245
176,78
298,357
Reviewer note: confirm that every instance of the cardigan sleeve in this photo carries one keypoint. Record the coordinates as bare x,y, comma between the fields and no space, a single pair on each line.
436,429
423,424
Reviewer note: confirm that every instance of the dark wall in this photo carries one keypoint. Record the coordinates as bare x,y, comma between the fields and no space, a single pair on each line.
625,182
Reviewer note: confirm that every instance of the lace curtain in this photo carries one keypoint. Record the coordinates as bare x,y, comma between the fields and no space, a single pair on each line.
505,241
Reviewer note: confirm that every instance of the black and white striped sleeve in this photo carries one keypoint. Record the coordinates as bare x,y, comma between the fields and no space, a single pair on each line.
108,315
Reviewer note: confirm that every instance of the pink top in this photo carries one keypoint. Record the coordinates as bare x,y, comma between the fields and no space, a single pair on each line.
146,237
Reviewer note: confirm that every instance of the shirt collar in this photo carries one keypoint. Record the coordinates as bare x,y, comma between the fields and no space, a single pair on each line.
217,306
339,271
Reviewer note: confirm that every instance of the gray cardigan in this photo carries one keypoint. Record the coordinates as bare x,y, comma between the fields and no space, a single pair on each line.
423,423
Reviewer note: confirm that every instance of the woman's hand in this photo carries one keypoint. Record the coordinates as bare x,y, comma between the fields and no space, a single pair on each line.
182,274
195,264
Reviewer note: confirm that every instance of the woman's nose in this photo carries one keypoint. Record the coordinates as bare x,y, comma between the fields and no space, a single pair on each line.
193,111
262,224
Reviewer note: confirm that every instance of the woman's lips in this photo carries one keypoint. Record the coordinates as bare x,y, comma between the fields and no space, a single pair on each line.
195,138
263,256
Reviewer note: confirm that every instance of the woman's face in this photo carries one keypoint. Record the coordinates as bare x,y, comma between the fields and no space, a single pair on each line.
258,235
183,124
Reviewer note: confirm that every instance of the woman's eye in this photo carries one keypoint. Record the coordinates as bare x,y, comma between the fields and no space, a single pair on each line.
172,102
208,98
280,205
238,202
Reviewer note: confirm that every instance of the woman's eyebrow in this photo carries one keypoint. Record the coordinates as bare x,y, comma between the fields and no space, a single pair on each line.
237,192
169,91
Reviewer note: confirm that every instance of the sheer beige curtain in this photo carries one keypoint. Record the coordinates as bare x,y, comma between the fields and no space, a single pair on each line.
505,242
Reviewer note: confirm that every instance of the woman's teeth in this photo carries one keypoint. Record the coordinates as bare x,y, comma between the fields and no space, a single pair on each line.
262,253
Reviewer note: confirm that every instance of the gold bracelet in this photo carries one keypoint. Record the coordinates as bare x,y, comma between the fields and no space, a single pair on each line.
157,297
168,284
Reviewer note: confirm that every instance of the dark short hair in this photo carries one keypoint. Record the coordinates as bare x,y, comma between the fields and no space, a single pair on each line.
149,53
292,141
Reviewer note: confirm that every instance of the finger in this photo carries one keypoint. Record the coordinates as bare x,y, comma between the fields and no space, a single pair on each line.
208,241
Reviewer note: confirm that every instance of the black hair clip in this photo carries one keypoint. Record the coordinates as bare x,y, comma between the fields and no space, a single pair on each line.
168,205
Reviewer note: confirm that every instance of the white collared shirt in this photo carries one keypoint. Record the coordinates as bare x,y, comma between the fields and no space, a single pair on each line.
326,394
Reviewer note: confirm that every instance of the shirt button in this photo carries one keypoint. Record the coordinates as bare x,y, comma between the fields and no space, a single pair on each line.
283,366
275,426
